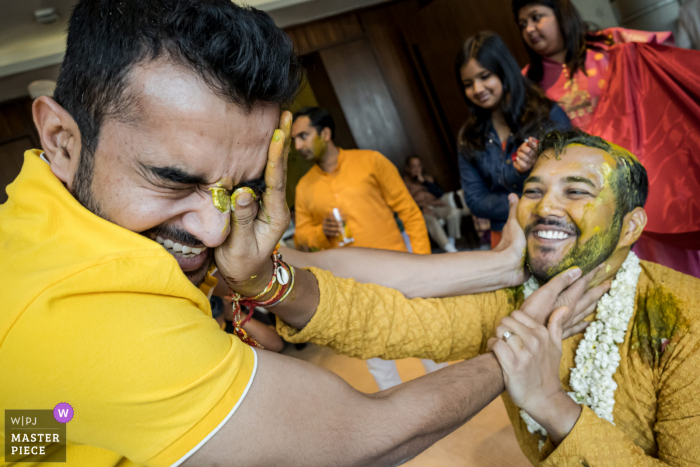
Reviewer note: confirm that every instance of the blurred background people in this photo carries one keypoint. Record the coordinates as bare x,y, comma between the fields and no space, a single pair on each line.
435,204
367,190
505,111
628,87
363,185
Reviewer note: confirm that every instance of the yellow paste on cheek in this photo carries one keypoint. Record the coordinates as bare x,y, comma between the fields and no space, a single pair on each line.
318,146
220,199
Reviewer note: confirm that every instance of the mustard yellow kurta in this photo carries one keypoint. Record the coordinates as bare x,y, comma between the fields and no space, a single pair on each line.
368,190
657,409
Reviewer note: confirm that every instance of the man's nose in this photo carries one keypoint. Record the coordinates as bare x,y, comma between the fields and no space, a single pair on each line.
549,205
297,144
208,223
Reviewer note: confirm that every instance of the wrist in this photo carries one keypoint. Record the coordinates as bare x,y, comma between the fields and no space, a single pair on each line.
256,283
557,414
511,265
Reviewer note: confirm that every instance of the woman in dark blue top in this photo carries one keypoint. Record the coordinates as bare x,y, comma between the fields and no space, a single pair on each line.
497,143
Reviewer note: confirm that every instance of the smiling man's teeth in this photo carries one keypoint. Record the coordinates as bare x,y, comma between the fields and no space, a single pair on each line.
552,234
177,247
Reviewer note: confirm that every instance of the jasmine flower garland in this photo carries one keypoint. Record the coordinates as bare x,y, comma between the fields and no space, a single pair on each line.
598,356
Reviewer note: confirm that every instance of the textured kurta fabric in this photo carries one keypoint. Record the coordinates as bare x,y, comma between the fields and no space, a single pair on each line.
368,190
657,409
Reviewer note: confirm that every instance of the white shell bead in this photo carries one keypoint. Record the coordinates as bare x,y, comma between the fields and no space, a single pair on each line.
282,276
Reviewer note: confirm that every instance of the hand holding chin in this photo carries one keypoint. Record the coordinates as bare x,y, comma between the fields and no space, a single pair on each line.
530,359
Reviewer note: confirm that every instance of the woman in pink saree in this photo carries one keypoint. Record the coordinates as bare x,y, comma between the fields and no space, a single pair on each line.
634,89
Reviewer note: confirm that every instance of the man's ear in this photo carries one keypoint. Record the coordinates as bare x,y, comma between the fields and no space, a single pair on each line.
60,137
632,227
326,134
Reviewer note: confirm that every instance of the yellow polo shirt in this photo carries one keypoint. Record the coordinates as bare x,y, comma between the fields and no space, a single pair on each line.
103,318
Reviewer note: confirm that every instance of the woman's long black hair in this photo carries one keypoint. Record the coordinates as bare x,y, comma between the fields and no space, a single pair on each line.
524,106
577,35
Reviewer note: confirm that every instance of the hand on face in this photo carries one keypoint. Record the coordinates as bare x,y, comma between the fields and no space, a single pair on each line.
244,259
513,243
562,291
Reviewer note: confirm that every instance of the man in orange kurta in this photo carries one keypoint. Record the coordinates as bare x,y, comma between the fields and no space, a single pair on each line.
364,185
367,189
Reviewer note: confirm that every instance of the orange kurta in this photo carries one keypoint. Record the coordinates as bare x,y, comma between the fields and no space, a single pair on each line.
368,190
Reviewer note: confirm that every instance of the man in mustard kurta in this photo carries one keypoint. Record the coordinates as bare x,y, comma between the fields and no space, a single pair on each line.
582,205
363,185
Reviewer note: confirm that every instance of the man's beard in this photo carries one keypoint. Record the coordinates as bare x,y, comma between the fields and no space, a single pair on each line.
586,256
82,183
82,191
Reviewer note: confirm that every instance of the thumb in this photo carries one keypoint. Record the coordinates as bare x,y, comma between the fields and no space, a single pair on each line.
555,325
244,210
513,206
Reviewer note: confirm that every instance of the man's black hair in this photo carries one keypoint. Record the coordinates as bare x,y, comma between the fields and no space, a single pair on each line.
319,117
237,51
629,183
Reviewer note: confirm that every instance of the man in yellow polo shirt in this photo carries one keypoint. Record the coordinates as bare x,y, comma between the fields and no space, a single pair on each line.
110,229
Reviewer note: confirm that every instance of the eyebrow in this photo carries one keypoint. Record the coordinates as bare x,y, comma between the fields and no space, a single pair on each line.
174,175
534,179
256,184
179,176
575,179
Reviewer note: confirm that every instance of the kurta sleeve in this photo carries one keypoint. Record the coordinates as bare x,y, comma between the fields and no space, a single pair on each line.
307,231
401,202
367,320
597,442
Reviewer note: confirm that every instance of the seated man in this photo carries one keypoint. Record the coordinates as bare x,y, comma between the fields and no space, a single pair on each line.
108,240
633,378
434,204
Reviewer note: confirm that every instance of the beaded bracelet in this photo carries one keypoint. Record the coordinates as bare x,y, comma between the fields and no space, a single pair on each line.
281,275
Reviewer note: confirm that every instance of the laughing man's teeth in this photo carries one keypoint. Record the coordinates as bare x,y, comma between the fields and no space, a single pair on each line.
160,240
186,249
197,251
177,247
552,234
168,243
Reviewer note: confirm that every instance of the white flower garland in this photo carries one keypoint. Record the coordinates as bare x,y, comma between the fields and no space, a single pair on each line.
598,356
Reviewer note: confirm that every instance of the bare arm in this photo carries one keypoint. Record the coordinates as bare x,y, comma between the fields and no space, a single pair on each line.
426,276
298,414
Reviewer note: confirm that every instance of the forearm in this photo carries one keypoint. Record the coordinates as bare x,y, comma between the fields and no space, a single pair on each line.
416,275
301,305
302,415
429,408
